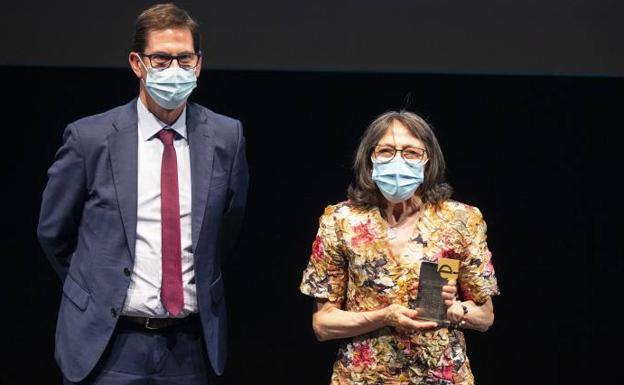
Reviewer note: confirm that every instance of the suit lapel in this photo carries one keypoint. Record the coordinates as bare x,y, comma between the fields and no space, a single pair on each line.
201,148
123,151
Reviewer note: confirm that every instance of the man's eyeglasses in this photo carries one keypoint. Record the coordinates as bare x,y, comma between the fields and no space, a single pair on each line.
161,61
386,153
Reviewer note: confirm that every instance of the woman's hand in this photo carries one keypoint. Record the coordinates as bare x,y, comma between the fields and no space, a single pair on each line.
467,314
455,311
330,322
449,293
404,319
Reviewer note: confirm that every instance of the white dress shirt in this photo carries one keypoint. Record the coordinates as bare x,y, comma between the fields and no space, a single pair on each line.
143,298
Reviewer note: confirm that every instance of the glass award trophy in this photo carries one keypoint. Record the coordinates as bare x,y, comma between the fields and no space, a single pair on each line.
429,301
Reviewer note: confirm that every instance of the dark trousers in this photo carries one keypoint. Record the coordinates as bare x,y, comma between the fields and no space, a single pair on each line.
135,356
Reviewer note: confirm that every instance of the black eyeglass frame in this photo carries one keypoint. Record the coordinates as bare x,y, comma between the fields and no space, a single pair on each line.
171,58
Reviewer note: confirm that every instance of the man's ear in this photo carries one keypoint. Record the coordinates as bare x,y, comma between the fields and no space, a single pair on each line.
137,68
198,67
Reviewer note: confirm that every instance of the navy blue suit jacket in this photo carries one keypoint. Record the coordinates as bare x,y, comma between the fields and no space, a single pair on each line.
87,225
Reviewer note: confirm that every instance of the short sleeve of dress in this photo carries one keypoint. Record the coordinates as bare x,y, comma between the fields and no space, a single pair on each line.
326,273
477,279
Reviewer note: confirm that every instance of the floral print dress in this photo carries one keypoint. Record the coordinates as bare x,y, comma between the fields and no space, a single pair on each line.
353,266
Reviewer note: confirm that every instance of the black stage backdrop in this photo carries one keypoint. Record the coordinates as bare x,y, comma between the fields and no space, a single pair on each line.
540,156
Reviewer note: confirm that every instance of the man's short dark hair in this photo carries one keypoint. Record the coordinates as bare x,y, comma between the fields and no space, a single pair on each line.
160,17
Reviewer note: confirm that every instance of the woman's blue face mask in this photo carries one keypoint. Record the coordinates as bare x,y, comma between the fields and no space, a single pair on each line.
398,179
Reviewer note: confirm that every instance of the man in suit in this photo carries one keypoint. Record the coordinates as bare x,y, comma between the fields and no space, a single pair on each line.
140,204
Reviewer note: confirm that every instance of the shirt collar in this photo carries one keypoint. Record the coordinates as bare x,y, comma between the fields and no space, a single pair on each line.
150,125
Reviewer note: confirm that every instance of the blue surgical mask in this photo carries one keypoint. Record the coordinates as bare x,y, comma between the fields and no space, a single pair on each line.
398,179
169,87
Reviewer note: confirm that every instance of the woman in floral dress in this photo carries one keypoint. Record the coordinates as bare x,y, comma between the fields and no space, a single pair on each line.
364,266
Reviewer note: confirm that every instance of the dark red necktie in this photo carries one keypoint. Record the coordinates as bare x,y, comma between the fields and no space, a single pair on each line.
172,295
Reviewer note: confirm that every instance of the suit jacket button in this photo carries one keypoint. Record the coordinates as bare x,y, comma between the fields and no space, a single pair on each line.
127,272
113,312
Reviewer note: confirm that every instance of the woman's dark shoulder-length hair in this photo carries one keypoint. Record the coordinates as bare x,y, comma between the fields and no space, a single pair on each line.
364,194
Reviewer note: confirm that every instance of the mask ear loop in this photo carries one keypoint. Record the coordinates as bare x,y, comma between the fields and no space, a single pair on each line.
144,66
141,61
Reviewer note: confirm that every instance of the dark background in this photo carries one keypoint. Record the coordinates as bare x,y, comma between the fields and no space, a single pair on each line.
448,36
539,154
